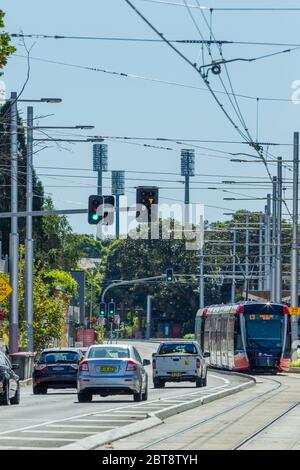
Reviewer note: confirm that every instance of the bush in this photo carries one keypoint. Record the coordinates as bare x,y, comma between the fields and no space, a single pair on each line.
189,336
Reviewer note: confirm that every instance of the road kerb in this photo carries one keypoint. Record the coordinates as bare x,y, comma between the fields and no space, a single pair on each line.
155,418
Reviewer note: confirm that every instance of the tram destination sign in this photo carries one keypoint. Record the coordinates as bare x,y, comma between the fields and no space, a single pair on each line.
294,310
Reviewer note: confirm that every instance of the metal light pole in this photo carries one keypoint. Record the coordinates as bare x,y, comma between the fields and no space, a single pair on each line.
267,285
118,189
274,239
294,254
260,254
233,283
201,279
29,241
148,318
247,238
278,291
187,170
14,236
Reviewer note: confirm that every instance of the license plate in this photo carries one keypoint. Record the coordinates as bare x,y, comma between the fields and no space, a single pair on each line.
176,374
57,368
107,369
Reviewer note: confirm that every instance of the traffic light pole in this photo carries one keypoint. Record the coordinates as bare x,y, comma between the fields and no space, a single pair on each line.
14,236
29,240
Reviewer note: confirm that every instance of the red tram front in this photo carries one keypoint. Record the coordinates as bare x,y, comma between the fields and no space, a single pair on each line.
247,336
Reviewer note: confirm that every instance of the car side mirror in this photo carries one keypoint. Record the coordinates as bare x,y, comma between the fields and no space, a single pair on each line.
146,362
206,354
15,366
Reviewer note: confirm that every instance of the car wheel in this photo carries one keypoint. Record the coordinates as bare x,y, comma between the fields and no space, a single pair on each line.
39,390
199,382
16,399
158,383
5,397
145,394
138,396
84,397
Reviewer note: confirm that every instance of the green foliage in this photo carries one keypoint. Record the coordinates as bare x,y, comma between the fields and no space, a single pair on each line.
189,336
6,49
49,310
5,180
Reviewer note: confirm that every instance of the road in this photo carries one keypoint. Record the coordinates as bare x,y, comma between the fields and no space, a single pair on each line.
262,417
57,419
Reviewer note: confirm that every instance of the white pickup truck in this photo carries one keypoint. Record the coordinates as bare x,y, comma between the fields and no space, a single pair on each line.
180,361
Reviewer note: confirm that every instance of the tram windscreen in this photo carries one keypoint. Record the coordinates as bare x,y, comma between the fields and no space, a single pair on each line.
264,327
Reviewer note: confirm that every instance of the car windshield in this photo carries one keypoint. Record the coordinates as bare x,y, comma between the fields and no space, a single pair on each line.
108,352
178,348
59,357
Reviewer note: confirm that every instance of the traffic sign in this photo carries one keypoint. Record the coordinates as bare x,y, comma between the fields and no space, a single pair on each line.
5,289
294,310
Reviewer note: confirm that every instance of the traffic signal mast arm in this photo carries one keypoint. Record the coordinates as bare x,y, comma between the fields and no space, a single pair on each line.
133,281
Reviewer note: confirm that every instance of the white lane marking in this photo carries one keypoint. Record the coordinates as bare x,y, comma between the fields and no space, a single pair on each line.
71,426
104,411
220,378
104,420
13,438
59,432
27,448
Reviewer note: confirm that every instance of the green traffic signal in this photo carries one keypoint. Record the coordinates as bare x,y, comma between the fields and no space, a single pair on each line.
169,275
102,308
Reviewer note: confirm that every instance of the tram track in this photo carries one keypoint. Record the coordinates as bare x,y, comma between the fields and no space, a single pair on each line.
254,435
268,395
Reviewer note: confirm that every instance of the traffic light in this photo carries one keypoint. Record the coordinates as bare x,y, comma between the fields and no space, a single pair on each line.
147,199
102,309
170,275
111,310
96,209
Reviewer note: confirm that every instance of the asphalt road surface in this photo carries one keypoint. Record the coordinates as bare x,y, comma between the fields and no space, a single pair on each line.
39,419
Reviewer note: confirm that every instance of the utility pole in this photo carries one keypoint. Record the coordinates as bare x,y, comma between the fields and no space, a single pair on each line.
14,236
278,291
29,241
274,240
260,253
233,283
148,318
294,254
187,170
267,285
246,285
201,280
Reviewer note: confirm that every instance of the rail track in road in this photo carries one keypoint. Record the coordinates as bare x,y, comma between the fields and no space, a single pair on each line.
256,434
268,395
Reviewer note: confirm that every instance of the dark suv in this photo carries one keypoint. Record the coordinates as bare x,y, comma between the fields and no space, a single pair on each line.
56,368
9,382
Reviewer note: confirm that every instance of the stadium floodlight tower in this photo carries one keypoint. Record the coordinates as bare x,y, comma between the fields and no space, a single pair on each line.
99,163
187,170
118,189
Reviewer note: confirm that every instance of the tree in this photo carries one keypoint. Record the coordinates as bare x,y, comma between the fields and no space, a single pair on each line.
5,182
49,309
6,49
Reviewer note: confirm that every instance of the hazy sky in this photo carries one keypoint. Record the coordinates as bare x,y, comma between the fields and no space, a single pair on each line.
133,107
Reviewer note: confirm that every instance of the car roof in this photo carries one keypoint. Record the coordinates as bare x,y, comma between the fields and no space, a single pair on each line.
60,350
111,345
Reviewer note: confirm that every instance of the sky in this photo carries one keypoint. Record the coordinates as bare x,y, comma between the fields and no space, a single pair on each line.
143,108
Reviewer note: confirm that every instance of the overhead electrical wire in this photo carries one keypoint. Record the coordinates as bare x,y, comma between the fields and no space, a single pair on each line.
155,80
